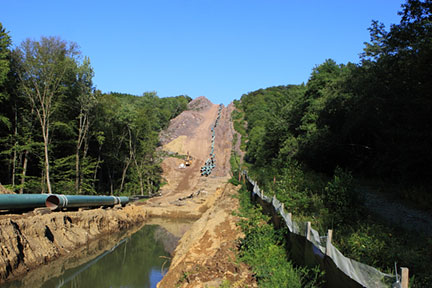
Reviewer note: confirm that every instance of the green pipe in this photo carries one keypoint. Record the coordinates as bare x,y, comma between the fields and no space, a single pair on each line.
22,201
56,201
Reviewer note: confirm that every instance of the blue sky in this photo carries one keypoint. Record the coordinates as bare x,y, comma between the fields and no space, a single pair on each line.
220,49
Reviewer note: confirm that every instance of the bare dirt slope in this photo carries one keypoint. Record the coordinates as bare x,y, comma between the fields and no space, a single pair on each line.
187,194
206,254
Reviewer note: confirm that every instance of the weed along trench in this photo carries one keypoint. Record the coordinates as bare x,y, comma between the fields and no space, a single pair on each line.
139,257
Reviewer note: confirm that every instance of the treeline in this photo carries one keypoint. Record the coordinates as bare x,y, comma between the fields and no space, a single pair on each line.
58,134
372,120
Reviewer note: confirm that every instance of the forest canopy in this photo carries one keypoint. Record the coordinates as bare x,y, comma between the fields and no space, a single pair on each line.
58,134
373,117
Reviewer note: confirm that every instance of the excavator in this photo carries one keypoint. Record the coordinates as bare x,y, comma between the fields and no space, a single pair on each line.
188,160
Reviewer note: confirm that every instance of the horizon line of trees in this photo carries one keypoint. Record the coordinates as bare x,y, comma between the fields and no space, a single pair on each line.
373,118
58,134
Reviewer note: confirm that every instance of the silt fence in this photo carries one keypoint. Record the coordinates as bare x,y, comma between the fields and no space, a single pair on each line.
306,247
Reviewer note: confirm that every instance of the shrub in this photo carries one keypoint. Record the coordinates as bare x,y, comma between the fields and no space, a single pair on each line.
340,198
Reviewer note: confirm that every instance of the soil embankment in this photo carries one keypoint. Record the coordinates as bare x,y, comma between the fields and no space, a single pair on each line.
187,194
32,240
206,254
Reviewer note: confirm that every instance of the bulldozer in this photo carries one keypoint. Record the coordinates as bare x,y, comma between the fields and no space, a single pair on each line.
188,160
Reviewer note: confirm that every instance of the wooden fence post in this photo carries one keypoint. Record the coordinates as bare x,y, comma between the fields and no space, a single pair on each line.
308,230
405,277
329,240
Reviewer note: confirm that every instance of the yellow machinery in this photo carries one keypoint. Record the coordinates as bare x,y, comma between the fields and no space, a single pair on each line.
188,160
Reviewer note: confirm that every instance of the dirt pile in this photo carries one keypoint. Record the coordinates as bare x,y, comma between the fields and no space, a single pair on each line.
187,121
205,256
200,103
28,242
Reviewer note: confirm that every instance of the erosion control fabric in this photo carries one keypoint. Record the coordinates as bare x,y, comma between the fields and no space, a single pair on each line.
340,271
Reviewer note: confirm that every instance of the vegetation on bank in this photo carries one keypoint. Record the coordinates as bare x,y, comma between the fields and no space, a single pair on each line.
59,134
305,142
263,250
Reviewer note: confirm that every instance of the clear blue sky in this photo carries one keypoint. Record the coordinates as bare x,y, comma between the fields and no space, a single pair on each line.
217,48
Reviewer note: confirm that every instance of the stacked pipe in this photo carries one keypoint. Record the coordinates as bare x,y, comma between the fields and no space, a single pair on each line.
210,164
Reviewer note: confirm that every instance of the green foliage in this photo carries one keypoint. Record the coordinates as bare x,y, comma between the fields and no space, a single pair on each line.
239,126
340,197
298,190
95,142
369,118
263,249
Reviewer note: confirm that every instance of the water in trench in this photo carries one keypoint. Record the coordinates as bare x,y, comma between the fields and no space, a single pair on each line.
137,260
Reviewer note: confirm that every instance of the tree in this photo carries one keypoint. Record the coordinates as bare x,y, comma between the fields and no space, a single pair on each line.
44,65
86,102
5,42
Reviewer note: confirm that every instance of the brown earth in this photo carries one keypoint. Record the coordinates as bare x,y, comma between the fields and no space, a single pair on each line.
28,242
3,190
206,255
76,257
190,132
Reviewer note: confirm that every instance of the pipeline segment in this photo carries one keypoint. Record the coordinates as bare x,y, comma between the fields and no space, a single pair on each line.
210,164
56,201
22,201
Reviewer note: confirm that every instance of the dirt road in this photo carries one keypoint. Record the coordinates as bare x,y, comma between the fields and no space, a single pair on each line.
187,194
205,256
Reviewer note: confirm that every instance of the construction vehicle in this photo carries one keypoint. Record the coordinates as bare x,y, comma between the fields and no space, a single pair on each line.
188,160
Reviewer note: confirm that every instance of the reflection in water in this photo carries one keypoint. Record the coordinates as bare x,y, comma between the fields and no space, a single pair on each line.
135,261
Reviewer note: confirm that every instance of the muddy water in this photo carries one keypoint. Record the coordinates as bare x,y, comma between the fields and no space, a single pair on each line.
122,260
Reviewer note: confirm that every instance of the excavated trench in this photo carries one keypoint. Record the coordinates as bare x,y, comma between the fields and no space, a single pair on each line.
138,257
135,243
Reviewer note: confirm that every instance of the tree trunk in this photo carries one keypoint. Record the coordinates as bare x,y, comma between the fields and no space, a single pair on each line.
43,181
140,176
111,183
47,166
96,169
24,172
124,174
77,171
47,171
149,186
141,181
128,161
14,157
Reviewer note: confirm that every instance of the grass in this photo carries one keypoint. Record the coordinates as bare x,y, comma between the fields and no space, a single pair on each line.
239,123
263,249
357,233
